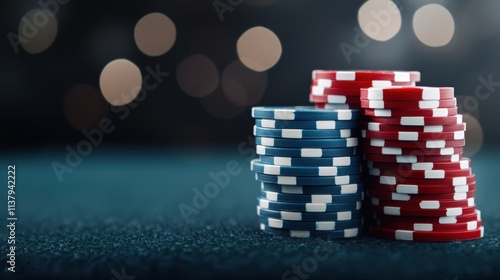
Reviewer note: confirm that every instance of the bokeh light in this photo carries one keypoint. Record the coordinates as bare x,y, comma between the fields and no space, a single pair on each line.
197,75
259,48
379,19
433,25
473,136
120,82
37,30
155,34
220,107
84,107
243,86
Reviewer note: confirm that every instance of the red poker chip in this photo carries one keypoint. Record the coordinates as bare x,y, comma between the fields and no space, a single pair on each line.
334,99
412,211
424,204
413,151
327,83
428,227
374,126
411,158
419,121
412,197
367,75
399,234
399,179
465,163
423,189
437,112
354,92
476,216
420,174
424,104
405,93
413,135
426,144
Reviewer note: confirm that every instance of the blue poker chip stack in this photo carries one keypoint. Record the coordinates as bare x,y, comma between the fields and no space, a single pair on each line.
309,171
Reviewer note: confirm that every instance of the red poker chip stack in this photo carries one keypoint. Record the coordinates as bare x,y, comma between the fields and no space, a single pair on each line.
419,186
341,89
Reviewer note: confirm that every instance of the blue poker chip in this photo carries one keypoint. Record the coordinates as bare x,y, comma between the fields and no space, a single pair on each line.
317,171
310,225
304,216
305,133
305,152
332,234
268,123
307,143
331,190
313,198
327,161
313,181
306,113
308,207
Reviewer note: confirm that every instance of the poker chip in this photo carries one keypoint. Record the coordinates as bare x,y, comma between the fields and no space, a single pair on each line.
465,163
395,179
418,120
407,197
320,91
307,143
328,83
412,135
327,161
472,225
313,181
331,190
476,216
411,158
304,133
420,174
424,204
310,225
306,152
410,151
338,106
428,144
360,75
423,189
307,113
414,211
406,93
409,235
308,207
322,124
424,104
318,171
335,99
304,216
332,234
437,112
374,126
313,198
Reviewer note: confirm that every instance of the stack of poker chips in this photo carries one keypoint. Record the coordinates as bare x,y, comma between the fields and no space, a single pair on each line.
309,170
418,185
341,89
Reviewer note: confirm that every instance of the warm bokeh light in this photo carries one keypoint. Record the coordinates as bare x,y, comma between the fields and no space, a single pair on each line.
379,19
218,106
155,34
243,86
259,48
433,25
197,75
84,107
120,82
39,29
473,136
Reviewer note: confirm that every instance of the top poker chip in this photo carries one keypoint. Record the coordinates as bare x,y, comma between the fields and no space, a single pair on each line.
364,75
305,113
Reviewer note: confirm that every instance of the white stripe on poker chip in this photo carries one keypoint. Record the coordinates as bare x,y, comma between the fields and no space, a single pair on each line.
272,169
381,83
460,196
374,126
447,151
327,170
407,136
400,197
287,180
422,227
459,118
275,223
376,142
464,164
387,180
375,93
408,189
433,128
432,144
454,211
382,113
462,188
348,189
344,133
315,207
471,201
440,112
291,133
300,233
412,121
374,171
325,225
455,158
321,198
336,99
457,181
268,123
459,135
363,133
404,235
429,204
351,232
287,161
401,76
447,220
376,104
272,196
342,180
406,158
422,166
326,124
434,174
390,210
430,93
284,114
375,201
266,141
344,216
324,83
345,75
344,115
292,216
311,152
261,150
318,90
264,203
471,225
341,161
391,151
